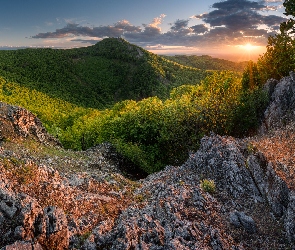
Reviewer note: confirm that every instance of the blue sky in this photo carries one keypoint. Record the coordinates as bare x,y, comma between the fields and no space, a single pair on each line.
214,27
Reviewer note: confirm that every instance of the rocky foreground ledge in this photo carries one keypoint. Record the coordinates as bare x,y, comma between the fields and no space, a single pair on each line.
51,198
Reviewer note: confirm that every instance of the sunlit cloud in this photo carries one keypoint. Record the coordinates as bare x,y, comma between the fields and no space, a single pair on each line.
156,21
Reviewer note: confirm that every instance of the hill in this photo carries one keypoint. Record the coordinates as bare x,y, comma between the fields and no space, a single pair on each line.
69,90
151,132
96,76
206,62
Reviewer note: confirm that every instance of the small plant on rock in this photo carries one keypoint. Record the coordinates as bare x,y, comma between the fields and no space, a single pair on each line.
208,186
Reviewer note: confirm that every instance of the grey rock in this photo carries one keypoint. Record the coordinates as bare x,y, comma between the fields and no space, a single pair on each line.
55,220
221,159
8,208
175,215
2,219
19,233
269,87
27,222
289,221
240,219
53,226
282,106
270,185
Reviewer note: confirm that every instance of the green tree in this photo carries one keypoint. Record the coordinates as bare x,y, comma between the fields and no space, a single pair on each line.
289,11
251,76
279,58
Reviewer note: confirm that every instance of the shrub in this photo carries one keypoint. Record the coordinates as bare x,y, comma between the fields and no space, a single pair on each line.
249,112
208,186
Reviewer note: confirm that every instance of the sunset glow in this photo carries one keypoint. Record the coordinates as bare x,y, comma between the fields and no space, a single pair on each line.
248,46
163,27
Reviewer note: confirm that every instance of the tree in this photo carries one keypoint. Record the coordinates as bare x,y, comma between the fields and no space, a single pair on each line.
279,58
290,11
251,77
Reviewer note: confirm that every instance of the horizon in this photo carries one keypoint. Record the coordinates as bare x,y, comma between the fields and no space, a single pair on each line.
235,30
229,57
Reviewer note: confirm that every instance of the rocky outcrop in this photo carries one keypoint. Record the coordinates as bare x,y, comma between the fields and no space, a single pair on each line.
174,211
24,223
17,122
281,109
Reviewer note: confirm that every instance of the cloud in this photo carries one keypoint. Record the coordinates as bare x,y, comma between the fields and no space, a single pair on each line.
91,41
239,15
237,5
116,30
272,20
273,5
229,22
199,28
235,19
156,21
179,24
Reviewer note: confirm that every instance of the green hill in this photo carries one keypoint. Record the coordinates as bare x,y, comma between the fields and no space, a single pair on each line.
97,76
154,111
206,62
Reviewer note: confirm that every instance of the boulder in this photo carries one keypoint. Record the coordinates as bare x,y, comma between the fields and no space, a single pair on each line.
240,219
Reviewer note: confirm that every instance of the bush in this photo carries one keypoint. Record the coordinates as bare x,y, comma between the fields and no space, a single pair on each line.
249,112
208,186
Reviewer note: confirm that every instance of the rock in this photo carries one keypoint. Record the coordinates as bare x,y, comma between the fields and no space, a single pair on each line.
221,159
282,106
270,185
17,122
239,219
22,245
174,215
269,87
289,221
53,228
8,207
28,222
19,233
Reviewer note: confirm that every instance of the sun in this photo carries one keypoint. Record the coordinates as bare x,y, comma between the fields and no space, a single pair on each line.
248,46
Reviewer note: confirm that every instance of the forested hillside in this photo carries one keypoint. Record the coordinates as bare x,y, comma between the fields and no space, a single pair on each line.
206,62
97,76
152,110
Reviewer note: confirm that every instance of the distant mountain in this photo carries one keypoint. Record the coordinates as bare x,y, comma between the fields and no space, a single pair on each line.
206,62
97,76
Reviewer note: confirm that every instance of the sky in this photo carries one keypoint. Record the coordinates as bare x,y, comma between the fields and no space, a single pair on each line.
231,29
